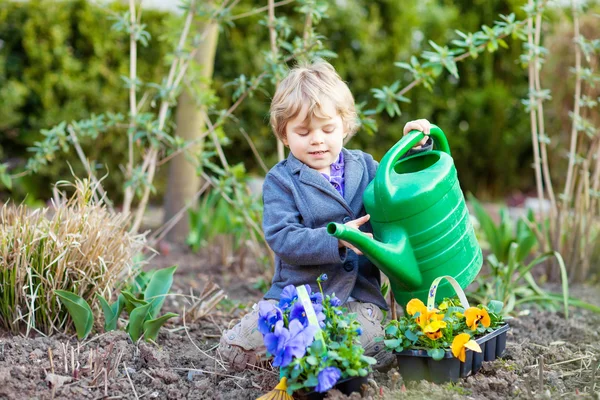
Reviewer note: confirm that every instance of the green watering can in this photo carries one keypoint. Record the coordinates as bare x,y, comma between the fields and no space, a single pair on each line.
420,221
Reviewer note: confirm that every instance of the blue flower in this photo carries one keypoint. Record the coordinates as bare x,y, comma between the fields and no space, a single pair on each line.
334,301
289,295
268,316
328,377
285,344
316,298
322,278
359,331
298,313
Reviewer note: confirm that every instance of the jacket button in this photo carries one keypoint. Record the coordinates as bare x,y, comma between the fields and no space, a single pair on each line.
347,219
348,266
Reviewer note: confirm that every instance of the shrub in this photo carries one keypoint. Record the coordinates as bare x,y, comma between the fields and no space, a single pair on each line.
75,246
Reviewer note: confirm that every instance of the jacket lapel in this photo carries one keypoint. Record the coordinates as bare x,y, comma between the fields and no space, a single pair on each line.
353,172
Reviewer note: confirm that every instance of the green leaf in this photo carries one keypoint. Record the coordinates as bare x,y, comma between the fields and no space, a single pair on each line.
368,360
436,354
352,372
111,312
152,326
392,343
391,330
312,360
410,335
132,302
136,321
158,287
80,312
495,306
311,381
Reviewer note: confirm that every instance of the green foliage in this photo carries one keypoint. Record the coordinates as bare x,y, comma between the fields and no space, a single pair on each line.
83,73
80,312
62,62
500,237
513,257
143,312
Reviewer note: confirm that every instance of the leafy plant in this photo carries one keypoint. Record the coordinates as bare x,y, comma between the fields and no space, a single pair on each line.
334,354
143,312
500,237
76,246
450,327
510,279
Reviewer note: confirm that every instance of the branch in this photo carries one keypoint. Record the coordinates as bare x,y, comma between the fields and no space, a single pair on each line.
573,146
132,104
258,10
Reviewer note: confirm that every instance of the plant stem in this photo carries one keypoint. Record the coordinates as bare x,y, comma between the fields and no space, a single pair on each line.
532,115
259,10
567,192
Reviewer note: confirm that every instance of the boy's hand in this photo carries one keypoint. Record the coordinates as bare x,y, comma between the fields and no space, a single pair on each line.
355,224
420,125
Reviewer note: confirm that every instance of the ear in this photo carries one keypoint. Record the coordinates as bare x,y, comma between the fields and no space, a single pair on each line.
284,141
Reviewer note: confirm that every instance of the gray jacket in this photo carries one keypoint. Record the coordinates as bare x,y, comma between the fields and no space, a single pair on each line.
298,205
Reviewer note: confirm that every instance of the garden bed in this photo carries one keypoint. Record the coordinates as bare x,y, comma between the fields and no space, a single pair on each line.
183,366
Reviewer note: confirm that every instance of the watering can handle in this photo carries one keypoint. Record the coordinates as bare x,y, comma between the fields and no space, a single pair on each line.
436,283
402,147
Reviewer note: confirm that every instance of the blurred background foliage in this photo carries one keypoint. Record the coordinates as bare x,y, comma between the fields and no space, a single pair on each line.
61,61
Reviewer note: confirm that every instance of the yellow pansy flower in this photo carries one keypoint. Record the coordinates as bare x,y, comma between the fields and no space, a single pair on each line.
433,330
462,342
414,306
474,315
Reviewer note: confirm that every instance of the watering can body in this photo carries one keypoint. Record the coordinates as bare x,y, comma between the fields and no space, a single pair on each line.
420,221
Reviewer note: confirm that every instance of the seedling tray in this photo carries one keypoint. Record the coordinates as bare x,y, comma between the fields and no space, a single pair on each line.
415,365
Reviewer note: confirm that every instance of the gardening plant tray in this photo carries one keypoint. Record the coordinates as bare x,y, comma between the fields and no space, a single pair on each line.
415,365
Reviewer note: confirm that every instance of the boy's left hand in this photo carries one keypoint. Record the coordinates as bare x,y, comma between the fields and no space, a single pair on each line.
420,125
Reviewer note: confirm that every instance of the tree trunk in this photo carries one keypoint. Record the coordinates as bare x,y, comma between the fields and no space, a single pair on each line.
183,181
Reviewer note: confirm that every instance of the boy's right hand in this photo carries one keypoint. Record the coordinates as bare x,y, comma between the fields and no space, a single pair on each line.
356,225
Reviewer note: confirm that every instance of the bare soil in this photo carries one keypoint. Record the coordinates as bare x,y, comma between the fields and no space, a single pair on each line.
185,365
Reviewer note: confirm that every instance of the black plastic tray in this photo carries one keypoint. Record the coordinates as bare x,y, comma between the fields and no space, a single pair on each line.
346,386
415,365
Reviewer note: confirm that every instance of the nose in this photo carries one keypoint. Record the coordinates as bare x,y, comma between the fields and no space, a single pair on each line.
317,137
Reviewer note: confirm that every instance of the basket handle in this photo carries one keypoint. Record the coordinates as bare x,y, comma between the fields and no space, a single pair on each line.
433,289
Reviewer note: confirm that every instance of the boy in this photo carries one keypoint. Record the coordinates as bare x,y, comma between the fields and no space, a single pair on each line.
312,112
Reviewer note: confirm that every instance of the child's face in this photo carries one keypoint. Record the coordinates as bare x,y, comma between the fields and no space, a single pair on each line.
316,141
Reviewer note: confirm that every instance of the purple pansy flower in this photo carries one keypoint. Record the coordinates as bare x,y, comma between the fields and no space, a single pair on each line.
335,302
298,313
328,377
268,316
289,295
284,344
316,298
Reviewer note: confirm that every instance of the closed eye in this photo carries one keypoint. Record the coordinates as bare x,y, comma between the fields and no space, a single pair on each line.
329,128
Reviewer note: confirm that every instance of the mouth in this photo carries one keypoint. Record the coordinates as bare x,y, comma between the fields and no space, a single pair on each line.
318,153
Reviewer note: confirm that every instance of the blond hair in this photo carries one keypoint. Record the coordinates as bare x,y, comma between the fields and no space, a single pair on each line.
311,84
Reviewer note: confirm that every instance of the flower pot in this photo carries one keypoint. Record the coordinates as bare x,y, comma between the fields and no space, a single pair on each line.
346,386
415,365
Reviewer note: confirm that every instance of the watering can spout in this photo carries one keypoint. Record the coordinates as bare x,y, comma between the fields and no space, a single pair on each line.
396,260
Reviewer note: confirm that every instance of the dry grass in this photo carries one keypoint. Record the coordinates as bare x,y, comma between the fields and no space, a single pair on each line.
76,245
